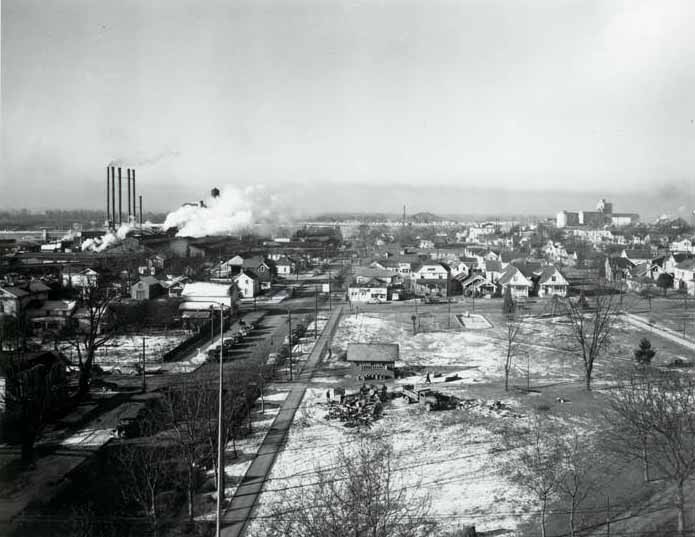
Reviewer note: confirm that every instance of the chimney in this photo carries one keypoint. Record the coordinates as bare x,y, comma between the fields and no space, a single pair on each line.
135,213
140,211
108,198
129,205
113,196
120,203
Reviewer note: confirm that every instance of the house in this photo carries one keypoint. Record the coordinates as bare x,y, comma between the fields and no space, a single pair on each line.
671,261
51,315
285,266
15,299
432,287
430,270
248,284
425,244
551,282
146,288
683,245
81,279
618,268
202,295
684,276
518,284
374,290
373,360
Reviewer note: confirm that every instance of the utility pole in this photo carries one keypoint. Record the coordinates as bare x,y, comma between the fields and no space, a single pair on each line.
448,300
289,338
220,447
329,291
144,380
212,325
316,312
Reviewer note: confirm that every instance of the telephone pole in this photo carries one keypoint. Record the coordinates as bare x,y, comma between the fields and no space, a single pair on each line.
316,312
220,446
289,338
144,380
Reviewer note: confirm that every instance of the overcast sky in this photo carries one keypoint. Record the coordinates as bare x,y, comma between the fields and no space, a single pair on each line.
566,95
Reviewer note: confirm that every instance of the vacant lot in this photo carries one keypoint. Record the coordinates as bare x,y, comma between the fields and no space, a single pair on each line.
458,457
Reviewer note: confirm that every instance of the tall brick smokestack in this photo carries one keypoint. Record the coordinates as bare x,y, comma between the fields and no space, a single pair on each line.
120,200
129,205
113,196
135,213
108,198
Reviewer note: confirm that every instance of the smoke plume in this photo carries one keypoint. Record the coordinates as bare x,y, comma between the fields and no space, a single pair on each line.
234,210
107,240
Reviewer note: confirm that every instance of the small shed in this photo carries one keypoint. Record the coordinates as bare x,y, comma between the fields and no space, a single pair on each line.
373,360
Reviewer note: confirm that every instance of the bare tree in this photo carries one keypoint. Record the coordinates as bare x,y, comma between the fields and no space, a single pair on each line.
577,481
91,332
145,469
358,494
537,464
513,333
658,411
184,408
590,330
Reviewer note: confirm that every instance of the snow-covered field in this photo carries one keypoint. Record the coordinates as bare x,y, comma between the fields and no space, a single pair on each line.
453,456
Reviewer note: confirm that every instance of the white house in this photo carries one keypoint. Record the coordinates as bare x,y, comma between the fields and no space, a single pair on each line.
684,245
431,271
248,284
516,281
552,283
684,276
202,295
285,266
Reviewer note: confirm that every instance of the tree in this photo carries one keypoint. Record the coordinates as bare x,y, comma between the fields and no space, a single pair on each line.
576,483
657,410
92,331
590,330
513,332
31,393
359,494
508,303
665,282
537,464
145,469
644,353
184,409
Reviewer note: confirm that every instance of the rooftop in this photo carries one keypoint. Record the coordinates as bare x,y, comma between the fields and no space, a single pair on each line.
372,352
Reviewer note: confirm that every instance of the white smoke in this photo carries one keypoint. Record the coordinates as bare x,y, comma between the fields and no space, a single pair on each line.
108,240
234,210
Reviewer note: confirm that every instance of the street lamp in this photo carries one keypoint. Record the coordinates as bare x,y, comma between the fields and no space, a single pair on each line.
220,446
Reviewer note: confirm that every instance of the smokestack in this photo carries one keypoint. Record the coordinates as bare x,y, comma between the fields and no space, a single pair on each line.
129,204
120,195
108,199
140,211
135,213
113,196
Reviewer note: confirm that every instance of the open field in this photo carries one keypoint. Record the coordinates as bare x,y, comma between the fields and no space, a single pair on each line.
457,457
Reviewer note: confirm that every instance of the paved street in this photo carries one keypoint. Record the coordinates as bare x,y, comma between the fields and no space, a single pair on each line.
247,493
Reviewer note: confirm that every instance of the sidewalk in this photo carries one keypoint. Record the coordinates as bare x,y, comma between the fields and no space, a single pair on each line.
241,507
641,322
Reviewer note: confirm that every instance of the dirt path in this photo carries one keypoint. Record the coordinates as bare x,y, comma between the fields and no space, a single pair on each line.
241,507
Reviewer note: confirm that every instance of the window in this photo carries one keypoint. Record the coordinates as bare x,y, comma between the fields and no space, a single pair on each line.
140,294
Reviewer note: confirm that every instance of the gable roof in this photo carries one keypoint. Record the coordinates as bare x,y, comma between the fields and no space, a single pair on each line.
14,291
149,281
207,289
510,273
548,273
493,266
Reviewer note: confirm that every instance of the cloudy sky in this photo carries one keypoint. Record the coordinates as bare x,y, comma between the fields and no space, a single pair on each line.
325,100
